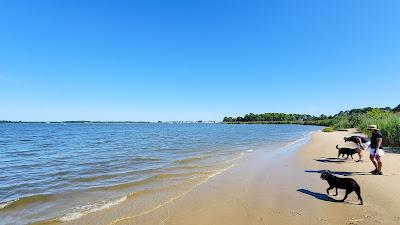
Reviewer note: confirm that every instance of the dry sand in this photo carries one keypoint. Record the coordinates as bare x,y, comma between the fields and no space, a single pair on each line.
282,187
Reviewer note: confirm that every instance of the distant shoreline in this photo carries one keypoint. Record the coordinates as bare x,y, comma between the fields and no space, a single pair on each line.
119,122
73,122
316,123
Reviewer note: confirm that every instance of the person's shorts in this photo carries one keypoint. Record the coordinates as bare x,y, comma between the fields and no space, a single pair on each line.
365,145
380,152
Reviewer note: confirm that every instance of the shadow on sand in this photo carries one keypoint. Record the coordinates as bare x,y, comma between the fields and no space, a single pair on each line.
320,196
343,173
331,160
395,150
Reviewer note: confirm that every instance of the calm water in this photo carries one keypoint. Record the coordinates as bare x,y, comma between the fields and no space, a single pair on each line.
63,171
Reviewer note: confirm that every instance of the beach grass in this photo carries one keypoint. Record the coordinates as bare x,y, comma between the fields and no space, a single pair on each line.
389,125
328,129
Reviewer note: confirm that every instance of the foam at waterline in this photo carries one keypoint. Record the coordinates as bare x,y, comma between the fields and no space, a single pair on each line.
26,201
147,180
81,211
172,199
84,210
78,212
191,159
236,158
185,167
6,204
304,138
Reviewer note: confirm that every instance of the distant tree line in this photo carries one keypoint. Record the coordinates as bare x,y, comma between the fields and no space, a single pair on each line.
301,118
387,119
72,121
270,117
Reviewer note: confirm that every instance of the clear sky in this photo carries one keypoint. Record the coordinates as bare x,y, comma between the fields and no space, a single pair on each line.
190,60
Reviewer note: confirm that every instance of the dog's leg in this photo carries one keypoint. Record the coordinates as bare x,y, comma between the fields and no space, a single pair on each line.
329,188
336,192
347,193
351,156
347,157
358,192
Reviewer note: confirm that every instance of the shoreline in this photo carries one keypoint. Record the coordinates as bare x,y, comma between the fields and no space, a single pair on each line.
138,206
284,187
109,215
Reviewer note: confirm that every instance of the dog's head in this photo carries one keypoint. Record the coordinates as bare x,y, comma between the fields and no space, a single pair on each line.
325,175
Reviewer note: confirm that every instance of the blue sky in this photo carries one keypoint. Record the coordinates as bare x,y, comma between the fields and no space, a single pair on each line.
190,60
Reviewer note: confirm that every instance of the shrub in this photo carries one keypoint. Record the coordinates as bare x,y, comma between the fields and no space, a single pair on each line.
328,129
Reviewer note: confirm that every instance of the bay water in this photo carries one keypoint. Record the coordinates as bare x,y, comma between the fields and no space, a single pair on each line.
63,171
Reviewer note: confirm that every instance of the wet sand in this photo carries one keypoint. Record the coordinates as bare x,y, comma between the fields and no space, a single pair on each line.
282,187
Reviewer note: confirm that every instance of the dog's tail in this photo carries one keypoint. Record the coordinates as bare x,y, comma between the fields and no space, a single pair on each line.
337,146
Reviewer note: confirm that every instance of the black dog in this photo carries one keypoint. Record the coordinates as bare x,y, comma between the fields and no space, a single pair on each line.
346,151
348,184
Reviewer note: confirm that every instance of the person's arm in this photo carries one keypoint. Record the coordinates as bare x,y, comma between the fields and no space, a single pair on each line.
359,142
378,143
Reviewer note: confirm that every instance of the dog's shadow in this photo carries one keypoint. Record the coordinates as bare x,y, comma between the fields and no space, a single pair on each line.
331,160
343,173
320,196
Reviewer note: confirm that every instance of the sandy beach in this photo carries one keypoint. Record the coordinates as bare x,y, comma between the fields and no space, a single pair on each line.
282,187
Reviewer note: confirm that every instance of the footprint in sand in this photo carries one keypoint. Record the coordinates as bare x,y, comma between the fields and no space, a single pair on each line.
295,213
354,221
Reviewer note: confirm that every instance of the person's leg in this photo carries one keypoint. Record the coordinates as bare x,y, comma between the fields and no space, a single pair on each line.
372,158
359,152
379,160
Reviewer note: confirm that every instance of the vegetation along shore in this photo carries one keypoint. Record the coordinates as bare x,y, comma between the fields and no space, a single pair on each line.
387,119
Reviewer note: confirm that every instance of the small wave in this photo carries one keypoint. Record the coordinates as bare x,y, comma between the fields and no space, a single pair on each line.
25,201
90,208
46,145
220,171
81,211
236,158
94,178
59,173
250,150
185,167
26,153
102,142
25,140
297,141
162,204
6,204
191,159
141,158
151,179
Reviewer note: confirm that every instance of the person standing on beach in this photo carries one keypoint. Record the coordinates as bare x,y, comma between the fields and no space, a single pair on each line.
376,152
361,142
